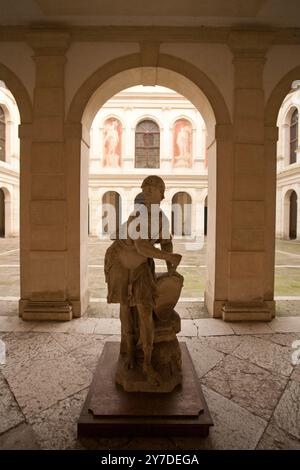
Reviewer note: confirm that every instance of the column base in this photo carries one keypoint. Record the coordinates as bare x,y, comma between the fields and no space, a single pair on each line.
79,307
45,310
245,312
214,307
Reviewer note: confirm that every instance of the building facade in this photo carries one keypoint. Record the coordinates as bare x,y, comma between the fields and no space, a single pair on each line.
145,130
288,167
9,164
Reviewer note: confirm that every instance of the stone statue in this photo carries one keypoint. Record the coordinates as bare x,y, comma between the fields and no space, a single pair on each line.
150,357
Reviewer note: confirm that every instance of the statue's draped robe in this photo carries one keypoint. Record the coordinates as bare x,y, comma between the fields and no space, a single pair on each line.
135,283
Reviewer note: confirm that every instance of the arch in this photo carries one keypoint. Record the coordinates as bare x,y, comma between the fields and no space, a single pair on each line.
279,92
132,64
183,116
190,82
181,214
148,117
112,116
19,92
111,212
5,212
293,216
288,113
290,203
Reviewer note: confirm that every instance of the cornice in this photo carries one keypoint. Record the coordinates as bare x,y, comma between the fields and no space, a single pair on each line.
129,178
159,34
289,171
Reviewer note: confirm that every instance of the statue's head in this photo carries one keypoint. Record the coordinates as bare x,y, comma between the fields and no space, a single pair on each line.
153,189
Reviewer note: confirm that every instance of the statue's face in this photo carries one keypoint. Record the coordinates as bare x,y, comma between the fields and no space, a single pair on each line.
152,194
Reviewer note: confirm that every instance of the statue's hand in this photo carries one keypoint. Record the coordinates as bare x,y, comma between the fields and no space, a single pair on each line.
175,259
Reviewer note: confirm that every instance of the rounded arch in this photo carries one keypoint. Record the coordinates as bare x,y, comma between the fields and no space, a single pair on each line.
18,91
147,117
111,212
5,211
126,72
181,214
186,118
112,116
289,112
278,94
290,203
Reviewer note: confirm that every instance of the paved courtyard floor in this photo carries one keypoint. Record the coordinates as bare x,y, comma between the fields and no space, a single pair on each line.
192,267
246,369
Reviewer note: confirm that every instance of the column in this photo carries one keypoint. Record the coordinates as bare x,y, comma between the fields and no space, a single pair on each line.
44,249
251,248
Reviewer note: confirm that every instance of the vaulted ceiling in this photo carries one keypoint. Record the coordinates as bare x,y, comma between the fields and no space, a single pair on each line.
151,12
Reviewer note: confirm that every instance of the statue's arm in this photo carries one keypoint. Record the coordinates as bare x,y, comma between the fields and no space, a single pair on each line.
145,248
167,245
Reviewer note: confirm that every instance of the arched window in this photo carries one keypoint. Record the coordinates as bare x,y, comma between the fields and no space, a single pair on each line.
181,214
147,138
294,137
2,134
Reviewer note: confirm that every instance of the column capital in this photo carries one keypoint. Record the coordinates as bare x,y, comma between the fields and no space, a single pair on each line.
149,53
224,132
250,44
25,131
49,43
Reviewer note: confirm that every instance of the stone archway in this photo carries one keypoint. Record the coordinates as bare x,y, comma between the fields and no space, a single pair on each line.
20,93
272,108
189,81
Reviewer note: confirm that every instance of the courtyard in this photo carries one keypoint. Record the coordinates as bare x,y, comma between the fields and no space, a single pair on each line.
249,379
192,267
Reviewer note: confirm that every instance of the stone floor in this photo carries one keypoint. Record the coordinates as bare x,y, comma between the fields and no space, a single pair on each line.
246,370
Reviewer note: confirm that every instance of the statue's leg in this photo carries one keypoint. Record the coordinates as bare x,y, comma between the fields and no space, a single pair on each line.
146,322
127,335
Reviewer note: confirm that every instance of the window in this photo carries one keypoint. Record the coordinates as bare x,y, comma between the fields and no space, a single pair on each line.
147,139
2,134
294,137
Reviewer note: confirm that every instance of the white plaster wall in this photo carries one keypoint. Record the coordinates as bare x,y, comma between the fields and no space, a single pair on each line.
17,56
85,58
215,60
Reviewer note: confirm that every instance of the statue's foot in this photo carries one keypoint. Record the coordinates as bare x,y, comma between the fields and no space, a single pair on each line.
130,361
151,374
